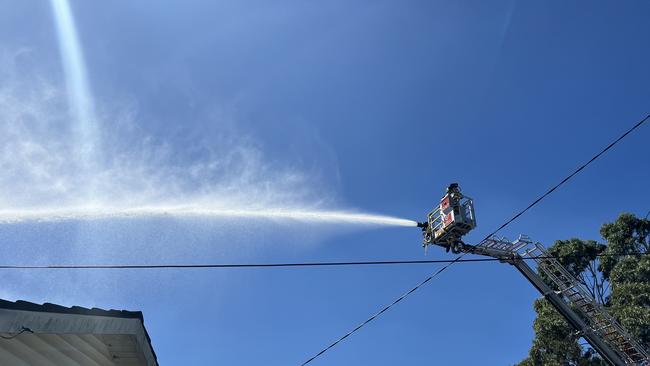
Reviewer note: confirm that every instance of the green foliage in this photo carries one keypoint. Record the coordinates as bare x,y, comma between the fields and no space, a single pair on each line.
628,234
576,255
628,277
556,343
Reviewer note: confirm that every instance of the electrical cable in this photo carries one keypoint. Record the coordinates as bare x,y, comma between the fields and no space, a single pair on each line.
22,330
580,168
382,311
276,265
535,202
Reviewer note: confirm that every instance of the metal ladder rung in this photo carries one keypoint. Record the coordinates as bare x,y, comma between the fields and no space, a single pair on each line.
587,306
572,289
573,292
518,246
600,330
530,251
489,244
619,341
610,334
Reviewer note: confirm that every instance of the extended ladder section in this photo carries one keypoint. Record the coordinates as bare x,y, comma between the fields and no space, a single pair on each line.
570,298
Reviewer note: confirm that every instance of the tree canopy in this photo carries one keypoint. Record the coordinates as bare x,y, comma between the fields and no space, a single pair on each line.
620,283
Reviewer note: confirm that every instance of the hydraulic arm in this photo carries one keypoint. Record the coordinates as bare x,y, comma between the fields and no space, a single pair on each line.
567,295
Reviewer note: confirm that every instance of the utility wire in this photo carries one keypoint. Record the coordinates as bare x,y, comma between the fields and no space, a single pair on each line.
275,265
535,202
22,330
382,310
580,168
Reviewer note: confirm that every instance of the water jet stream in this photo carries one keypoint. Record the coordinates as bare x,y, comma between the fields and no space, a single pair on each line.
80,97
88,142
103,213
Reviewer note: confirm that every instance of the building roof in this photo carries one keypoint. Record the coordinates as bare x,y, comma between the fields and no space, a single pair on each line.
51,334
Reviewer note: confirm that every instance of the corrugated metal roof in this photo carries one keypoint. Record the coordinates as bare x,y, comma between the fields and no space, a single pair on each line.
73,336
78,310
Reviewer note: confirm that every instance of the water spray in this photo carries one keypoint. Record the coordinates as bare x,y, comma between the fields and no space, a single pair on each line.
279,214
88,142
80,98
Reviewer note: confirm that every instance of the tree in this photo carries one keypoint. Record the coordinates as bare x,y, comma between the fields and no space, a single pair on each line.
630,275
620,283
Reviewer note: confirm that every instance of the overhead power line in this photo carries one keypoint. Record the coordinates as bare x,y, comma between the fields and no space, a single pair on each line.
578,170
276,265
376,315
515,217
21,331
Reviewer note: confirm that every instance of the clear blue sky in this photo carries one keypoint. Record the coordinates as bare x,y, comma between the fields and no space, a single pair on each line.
379,105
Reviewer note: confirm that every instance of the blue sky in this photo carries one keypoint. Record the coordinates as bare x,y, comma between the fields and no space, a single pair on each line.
369,106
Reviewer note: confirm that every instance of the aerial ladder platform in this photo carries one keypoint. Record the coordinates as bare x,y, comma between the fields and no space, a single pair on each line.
454,217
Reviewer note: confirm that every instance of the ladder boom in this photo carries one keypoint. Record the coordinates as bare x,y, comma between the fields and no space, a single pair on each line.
570,299
454,217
